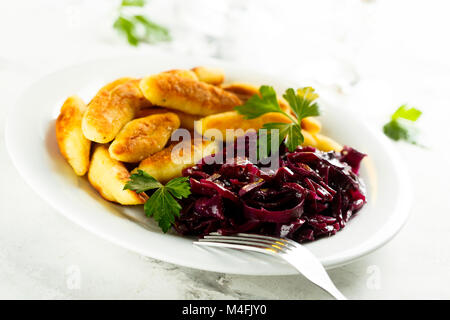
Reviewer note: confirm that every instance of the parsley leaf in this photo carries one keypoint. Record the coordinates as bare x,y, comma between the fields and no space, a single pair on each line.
404,112
163,208
265,138
301,103
394,130
290,133
162,204
179,187
153,32
294,137
257,105
138,28
128,28
133,3
142,182
282,127
401,125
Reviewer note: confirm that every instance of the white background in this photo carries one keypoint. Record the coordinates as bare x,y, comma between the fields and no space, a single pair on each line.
371,55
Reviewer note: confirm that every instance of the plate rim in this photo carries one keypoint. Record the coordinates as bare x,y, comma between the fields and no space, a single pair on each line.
386,233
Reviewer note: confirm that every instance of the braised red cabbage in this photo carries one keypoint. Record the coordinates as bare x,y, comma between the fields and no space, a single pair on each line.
312,194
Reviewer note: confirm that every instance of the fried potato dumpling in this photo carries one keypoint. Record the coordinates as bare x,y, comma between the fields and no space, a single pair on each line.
111,109
107,88
212,76
72,144
186,119
143,137
325,143
187,95
163,167
235,121
311,125
309,139
109,176
243,90
183,73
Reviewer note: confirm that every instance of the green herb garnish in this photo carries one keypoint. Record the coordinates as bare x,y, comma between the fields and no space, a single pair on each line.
133,3
162,204
302,104
401,126
138,28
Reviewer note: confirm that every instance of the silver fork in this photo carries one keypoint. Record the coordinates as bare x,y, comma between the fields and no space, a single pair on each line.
292,252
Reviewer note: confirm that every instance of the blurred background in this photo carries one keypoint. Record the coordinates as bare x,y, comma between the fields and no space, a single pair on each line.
384,53
369,55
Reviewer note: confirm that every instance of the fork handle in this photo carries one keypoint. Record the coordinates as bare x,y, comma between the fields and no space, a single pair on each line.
318,276
336,293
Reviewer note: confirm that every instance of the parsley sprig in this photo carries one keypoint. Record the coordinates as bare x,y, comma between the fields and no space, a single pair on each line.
401,126
138,28
302,104
162,204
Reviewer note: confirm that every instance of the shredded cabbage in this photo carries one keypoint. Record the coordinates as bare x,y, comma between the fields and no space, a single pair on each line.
313,194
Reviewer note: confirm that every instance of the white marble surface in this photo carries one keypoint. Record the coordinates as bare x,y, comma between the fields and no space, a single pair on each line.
372,55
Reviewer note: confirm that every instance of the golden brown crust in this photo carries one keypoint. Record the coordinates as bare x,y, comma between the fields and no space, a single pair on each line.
183,73
163,167
143,137
107,88
311,125
111,109
243,90
187,95
212,76
71,142
109,176
186,119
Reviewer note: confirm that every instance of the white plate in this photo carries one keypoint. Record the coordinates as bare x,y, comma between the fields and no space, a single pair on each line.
32,145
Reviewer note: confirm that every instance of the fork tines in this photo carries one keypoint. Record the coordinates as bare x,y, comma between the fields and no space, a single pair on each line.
246,241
